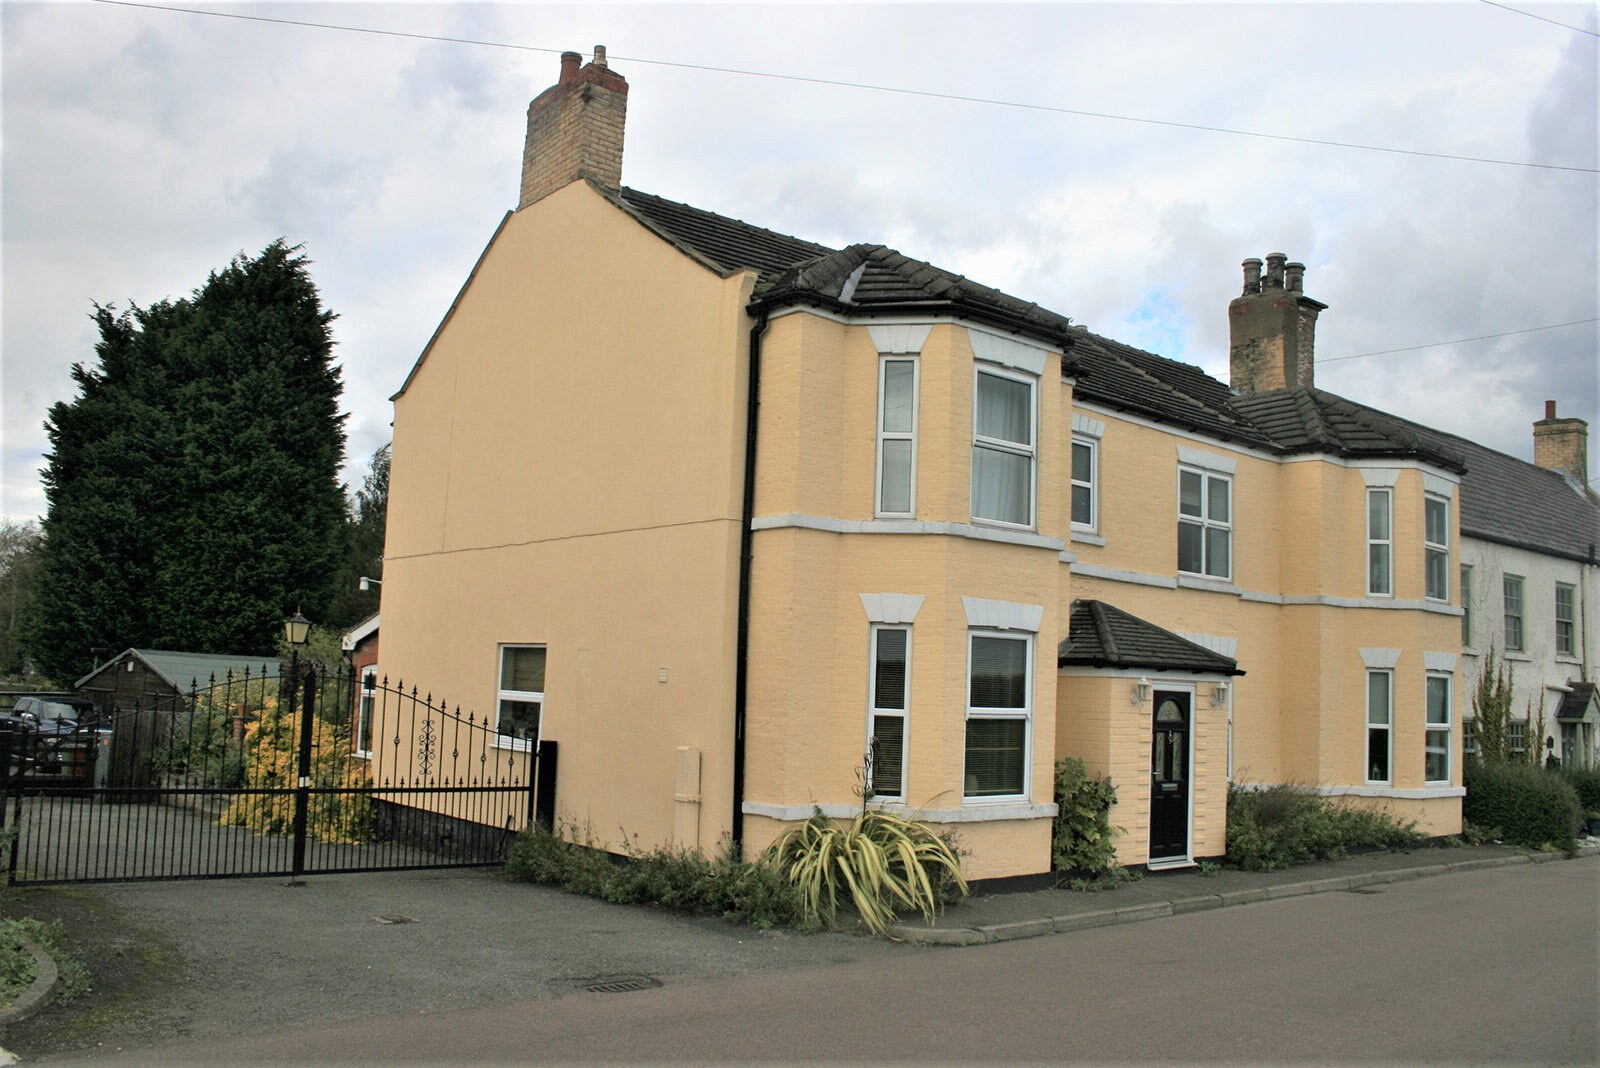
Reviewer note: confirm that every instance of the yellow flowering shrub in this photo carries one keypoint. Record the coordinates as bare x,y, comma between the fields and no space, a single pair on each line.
272,762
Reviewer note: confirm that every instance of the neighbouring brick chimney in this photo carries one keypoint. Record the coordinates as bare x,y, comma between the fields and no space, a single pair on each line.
1273,328
1562,444
575,129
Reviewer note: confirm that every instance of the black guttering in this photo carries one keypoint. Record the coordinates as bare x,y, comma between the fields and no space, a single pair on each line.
741,678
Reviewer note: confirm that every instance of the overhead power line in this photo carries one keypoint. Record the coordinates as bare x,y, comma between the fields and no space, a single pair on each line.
1541,18
867,86
1457,341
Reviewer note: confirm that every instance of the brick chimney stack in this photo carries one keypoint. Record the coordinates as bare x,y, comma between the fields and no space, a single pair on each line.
575,129
1562,444
1273,327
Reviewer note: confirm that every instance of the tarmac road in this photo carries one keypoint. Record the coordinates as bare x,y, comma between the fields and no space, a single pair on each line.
1490,967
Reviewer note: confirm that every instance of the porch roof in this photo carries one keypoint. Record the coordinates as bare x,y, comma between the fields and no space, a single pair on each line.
1577,702
1102,635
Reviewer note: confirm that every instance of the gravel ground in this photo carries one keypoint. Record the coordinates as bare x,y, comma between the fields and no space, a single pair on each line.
210,958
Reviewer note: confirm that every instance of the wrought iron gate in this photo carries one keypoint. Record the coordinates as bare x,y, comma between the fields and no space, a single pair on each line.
278,772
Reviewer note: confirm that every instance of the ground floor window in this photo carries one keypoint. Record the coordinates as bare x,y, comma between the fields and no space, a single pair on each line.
1380,692
891,676
521,694
999,714
1436,758
365,707
1517,736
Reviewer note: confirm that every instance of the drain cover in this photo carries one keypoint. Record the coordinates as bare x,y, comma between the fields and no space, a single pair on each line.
1363,890
394,919
619,984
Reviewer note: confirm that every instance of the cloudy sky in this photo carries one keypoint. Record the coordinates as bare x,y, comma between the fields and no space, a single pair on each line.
142,148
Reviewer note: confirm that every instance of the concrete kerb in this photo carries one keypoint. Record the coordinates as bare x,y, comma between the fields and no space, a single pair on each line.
38,995
1004,932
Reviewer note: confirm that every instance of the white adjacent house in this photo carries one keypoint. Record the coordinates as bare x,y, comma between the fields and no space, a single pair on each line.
1530,584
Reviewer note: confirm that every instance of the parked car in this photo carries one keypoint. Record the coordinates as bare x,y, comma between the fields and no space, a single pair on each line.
57,727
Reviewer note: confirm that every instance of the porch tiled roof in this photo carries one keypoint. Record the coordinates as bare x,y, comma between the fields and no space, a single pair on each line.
1102,635
1576,703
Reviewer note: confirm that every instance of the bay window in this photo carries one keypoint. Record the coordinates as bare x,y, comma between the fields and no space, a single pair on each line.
1003,448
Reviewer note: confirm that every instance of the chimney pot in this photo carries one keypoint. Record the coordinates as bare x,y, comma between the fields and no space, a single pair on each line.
1294,277
599,55
569,66
1549,409
1252,275
1275,261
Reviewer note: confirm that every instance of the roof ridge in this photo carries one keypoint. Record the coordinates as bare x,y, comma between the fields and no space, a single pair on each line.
627,191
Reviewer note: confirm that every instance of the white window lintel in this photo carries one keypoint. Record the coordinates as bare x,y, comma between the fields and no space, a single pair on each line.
897,339
1002,615
1380,658
892,607
1208,461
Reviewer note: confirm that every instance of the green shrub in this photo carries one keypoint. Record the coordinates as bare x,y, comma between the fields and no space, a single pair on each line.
1586,781
1527,806
1277,826
881,860
665,877
1083,842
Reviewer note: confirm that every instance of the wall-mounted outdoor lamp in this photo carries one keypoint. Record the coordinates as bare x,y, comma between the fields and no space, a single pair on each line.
367,583
1219,695
1141,691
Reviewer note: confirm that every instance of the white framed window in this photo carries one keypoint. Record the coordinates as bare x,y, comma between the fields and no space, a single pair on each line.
1511,592
1436,744
1466,605
1380,542
1565,600
1380,717
999,714
366,708
521,695
1469,737
1205,523
897,437
1085,479
1004,432
889,700
1436,547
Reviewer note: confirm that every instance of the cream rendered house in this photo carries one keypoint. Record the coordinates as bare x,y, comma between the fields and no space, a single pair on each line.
747,524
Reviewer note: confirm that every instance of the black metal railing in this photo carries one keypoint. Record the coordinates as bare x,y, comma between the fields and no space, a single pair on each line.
285,771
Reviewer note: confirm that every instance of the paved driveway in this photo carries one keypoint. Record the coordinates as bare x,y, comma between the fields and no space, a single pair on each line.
213,958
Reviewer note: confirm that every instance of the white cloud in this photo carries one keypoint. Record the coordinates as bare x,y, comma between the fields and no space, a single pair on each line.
143,149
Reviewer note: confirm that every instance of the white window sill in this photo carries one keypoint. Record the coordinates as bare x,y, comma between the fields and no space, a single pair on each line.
1087,537
976,812
513,746
1517,655
1206,582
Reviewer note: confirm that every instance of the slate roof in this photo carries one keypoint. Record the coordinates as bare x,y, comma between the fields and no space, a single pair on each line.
868,279
1575,705
190,671
1101,635
1513,502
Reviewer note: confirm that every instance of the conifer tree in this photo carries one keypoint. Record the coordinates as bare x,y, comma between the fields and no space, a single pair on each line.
193,483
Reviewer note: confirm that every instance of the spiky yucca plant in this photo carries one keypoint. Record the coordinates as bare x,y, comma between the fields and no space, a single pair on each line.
885,862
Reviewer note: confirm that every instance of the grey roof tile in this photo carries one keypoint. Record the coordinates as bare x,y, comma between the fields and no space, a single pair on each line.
1102,635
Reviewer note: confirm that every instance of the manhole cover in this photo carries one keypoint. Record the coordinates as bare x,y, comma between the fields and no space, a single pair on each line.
619,984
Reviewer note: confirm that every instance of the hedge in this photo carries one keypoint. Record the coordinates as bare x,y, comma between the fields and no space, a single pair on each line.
1587,782
1522,805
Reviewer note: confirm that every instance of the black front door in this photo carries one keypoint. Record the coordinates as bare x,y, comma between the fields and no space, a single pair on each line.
1169,777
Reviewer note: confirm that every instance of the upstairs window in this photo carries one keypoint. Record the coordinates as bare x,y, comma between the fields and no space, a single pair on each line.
897,437
1466,605
891,677
1205,523
1436,547
1084,463
1511,591
521,694
1380,544
1003,448
1565,645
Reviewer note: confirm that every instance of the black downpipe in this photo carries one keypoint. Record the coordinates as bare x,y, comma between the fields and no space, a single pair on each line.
741,679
